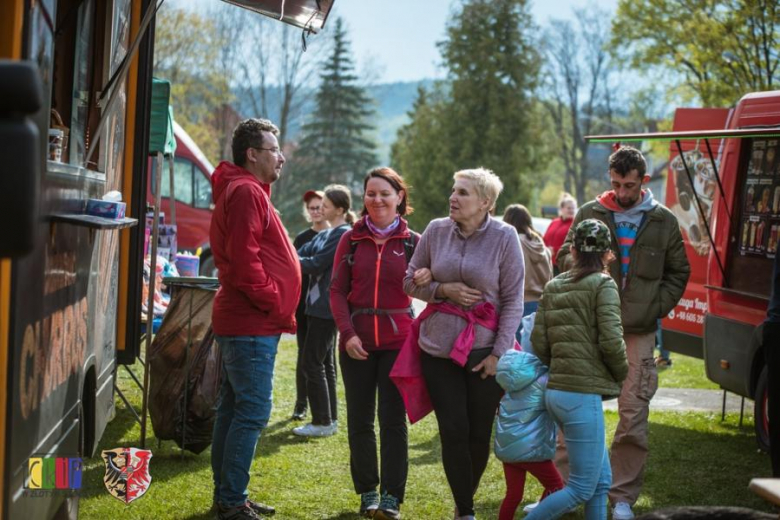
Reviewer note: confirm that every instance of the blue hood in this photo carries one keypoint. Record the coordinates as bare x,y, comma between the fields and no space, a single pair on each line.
516,370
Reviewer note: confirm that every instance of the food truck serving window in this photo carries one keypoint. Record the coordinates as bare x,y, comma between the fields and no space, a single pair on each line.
757,225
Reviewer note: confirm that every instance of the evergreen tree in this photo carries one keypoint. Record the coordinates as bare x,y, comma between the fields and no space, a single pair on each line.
334,146
420,153
483,113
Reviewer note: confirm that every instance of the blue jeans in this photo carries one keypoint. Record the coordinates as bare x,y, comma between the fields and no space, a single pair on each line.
659,342
242,412
581,418
528,308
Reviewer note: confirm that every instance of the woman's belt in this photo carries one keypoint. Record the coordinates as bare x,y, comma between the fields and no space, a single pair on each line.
382,312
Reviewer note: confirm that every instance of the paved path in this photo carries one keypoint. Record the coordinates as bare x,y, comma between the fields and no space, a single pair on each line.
691,400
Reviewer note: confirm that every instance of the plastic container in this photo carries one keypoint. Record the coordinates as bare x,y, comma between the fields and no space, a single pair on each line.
187,265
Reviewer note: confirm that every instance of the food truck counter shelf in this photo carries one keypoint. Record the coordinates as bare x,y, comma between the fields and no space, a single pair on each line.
80,219
202,282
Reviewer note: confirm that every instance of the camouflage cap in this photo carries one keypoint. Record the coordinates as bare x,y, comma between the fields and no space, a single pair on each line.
592,236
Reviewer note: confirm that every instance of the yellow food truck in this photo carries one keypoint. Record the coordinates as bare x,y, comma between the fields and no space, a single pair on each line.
75,80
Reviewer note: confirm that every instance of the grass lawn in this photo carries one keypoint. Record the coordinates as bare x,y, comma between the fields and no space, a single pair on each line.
685,372
695,459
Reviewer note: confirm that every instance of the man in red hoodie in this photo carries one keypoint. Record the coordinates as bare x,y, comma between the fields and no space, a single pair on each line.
260,281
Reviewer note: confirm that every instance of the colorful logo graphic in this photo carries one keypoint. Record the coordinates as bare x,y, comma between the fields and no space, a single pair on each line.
127,473
53,473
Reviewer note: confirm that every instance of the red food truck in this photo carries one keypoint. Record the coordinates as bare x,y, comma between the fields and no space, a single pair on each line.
723,185
193,204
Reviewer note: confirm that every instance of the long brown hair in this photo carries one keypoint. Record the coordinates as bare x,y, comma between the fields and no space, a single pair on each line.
340,196
396,181
518,216
587,263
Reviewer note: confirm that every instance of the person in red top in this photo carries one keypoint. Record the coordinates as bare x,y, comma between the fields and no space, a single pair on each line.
559,227
373,315
260,282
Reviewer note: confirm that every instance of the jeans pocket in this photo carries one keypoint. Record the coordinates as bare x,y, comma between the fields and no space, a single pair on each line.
564,402
648,379
226,349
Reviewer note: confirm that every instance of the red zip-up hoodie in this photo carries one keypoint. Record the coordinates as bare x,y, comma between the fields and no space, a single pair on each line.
373,281
259,271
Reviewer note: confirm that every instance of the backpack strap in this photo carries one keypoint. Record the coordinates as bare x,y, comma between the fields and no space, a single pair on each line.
410,243
350,257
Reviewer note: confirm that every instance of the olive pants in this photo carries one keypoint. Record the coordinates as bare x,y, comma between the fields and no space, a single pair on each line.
630,446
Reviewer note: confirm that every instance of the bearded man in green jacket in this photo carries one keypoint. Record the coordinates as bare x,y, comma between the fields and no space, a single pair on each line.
651,272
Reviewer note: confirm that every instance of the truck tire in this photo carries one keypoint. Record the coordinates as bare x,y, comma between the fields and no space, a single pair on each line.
207,267
761,411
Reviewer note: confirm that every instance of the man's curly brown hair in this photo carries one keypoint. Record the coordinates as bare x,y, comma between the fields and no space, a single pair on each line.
249,134
626,159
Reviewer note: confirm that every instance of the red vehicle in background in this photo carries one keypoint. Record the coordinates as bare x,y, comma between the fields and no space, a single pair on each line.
723,185
192,189
683,329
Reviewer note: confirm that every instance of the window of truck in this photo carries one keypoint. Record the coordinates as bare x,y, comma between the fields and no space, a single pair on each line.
78,75
757,220
191,185
202,187
183,170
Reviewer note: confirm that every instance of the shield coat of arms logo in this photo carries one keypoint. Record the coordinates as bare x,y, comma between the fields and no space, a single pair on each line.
127,473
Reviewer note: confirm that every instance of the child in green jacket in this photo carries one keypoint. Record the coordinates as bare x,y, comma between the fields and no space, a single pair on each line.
578,334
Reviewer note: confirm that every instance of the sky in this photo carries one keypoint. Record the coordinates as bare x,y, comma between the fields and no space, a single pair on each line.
399,37
396,39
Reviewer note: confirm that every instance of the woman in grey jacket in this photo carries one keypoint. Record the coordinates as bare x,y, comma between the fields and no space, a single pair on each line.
577,333
475,268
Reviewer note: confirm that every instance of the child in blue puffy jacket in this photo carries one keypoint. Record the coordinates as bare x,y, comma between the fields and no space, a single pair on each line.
525,433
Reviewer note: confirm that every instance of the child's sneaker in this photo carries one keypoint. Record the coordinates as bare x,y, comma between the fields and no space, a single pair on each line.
369,502
314,430
389,508
662,362
622,511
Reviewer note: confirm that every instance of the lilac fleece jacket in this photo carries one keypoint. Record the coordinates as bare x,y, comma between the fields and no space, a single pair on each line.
489,260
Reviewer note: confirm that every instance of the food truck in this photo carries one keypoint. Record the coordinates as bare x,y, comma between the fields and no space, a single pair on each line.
723,185
75,80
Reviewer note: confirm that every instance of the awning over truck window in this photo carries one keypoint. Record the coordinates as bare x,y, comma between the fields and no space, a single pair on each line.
306,14
161,137
734,133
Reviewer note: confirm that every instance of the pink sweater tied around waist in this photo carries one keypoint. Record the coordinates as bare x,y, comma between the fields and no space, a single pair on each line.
407,370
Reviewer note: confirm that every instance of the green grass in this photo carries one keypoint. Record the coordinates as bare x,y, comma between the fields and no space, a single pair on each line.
685,372
695,459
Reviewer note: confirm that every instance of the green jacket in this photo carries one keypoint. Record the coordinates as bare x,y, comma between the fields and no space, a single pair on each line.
658,271
577,333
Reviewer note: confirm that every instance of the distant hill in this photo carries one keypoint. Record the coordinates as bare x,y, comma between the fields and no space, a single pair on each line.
393,102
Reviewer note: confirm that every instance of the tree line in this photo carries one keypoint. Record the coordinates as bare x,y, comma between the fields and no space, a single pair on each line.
516,97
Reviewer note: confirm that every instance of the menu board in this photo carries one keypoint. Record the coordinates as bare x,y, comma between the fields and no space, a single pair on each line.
760,221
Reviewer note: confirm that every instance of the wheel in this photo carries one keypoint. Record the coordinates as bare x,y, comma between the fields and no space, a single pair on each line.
761,411
207,267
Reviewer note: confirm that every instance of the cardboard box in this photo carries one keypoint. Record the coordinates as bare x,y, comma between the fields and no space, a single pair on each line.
105,208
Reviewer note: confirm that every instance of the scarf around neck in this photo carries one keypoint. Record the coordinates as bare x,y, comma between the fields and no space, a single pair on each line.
382,233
